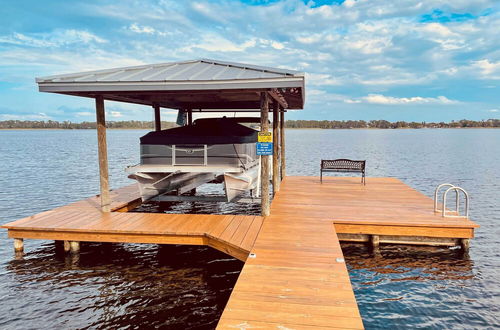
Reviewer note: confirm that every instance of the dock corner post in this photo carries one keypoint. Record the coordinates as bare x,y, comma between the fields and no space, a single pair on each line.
74,246
282,142
375,241
264,164
276,144
18,245
465,243
156,108
103,153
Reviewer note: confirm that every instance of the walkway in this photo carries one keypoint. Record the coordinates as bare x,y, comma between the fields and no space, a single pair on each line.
294,275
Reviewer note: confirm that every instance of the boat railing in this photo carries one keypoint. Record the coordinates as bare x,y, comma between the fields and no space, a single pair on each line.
190,151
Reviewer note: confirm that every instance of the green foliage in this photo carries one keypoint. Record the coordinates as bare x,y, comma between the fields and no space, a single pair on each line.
130,124
384,124
326,124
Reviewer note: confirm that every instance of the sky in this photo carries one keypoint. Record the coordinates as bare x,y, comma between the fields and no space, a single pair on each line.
393,60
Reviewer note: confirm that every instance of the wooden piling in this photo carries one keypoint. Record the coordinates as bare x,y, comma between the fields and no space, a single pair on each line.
74,246
18,244
66,246
276,144
156,108
264,164
465,243
375,241
103,153
282,143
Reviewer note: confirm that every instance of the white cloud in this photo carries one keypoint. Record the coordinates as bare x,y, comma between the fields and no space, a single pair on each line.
351,101
321,79
277,45
114,114
216,43
391,100
141,29
24,40
310,39
437,29
208,11
488,70
374,48
55,39
84,114
316,92
34,116
493,110
349,3
369,45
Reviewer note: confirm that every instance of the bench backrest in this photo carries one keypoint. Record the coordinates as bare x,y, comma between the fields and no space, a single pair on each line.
343,164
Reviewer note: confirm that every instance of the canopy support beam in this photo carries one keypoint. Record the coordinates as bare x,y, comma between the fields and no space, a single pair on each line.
157,117
264,162
278,97
276,146
282,142
103,153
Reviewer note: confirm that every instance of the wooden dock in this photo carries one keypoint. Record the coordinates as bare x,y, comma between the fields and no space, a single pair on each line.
385,209
298,279
294,275
84,222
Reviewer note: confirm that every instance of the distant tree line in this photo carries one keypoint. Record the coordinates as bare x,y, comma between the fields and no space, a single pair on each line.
131,124
384,124
326,124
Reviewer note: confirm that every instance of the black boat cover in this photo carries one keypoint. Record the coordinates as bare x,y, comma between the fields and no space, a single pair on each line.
204,131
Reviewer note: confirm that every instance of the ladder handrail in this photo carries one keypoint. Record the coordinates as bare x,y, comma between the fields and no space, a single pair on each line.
436,195
457,190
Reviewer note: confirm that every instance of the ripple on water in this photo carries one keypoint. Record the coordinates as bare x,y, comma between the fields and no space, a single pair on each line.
120,285
137,286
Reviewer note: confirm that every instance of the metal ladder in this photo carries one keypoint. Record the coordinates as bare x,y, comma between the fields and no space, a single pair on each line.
457,190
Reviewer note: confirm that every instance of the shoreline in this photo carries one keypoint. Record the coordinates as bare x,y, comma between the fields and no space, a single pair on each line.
67,129
292,128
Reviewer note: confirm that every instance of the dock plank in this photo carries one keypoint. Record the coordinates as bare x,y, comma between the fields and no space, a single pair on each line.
296,276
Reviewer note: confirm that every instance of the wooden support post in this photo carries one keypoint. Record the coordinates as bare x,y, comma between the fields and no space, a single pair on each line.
190,116
282,143
74,246
264,163
156,107
18,244
66,246
465,243
276,151
103,153
375,241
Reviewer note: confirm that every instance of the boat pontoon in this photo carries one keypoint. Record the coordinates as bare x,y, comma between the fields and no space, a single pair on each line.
210,150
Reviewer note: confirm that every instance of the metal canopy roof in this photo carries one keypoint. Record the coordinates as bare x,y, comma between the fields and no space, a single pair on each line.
198,84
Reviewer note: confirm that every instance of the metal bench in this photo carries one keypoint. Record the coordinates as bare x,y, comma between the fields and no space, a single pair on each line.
343,165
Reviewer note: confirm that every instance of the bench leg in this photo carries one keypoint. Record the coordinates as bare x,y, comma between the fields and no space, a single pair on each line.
321,176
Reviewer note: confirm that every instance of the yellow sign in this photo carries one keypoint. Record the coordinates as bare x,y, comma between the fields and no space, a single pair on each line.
265,137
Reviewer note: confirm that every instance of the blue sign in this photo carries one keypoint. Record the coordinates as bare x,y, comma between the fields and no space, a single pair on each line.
264,148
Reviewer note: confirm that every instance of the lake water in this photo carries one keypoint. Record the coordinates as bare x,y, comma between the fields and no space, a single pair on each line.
137,286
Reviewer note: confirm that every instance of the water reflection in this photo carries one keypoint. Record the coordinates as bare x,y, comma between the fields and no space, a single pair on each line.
418,285
200,208
402,261
126,285
38,290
